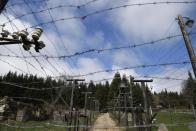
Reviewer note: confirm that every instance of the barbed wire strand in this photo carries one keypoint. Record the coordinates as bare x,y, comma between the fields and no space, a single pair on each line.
15,67
156,50
132,67
102,50
60,92
58,33
100,11
66,6
29,98
95,126
10,5
29,88
12,24
42,68
44,34
24,58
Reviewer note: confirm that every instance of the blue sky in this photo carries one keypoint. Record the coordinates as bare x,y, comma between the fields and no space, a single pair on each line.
120,27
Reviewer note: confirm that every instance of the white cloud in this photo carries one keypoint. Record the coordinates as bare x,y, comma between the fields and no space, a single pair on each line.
125,58
147,22
86,65
170,85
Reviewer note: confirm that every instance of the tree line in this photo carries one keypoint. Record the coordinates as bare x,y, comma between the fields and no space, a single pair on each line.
104,92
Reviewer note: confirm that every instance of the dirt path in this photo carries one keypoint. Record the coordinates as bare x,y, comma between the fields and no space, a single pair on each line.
105,123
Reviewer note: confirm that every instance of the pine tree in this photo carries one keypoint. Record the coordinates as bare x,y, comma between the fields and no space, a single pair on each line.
189,90
114,87
137,95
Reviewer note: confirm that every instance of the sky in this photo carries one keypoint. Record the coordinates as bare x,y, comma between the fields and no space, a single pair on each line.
65,33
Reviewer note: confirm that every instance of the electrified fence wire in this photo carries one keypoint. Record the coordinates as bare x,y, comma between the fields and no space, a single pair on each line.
132,67
95,127
43,34
99,11
29,88
100,50
10,5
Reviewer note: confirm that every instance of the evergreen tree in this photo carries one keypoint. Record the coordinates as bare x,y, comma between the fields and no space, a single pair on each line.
102,94
189,90
137,95
114,87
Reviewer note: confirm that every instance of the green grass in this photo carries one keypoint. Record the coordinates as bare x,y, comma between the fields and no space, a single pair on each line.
175,118
162,117
182,120
46,126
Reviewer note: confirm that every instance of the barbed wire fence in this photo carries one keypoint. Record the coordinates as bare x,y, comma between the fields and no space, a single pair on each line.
54,69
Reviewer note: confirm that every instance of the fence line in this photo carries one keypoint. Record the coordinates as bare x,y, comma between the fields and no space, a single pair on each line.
96,127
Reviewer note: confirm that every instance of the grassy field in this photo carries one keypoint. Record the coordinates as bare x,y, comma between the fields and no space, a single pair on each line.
33,126
40,126
162,117
180,120
175,118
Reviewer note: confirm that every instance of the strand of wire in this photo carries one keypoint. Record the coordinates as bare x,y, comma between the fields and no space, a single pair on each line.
42,68
51,8
146,76
13,99
53,66
117,48
68,6
45,58
16,56
39,65
96,126
180,73
25,27
132,67
29,88
15,53
178,76
177,71
25,104
31,53
155,50
10,5
168,87
99,11
173,52
15,67
12,24
29,98
102,50
58,33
